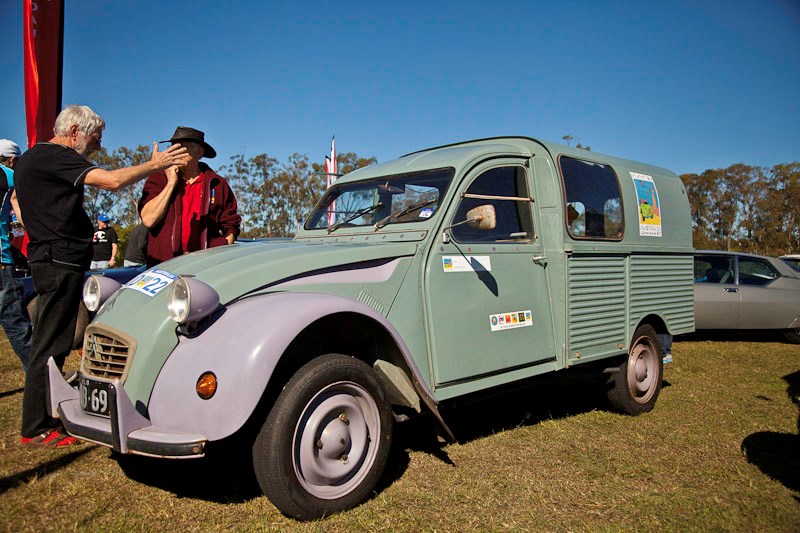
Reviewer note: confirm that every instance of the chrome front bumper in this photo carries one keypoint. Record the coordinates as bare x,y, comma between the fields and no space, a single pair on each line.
125,431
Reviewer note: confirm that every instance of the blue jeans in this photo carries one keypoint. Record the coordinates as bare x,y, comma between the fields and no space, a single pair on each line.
14,316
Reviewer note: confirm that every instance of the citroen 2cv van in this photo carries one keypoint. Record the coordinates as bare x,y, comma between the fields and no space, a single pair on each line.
446,272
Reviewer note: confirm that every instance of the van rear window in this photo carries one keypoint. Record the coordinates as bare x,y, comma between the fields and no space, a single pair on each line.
593,200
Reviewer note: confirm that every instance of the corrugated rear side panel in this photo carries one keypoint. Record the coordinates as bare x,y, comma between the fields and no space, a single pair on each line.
663,284
597,302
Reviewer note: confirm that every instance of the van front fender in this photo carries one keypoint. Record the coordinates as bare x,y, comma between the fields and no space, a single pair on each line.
242,348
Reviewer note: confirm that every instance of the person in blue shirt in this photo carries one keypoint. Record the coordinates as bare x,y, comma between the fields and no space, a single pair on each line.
13,316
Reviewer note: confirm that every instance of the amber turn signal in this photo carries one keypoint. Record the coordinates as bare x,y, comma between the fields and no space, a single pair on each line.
206,385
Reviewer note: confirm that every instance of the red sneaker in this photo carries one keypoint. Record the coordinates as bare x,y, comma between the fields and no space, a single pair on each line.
51,438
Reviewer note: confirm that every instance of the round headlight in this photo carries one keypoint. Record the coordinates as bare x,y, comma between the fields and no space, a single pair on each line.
91,294
178,300
97,289
190,300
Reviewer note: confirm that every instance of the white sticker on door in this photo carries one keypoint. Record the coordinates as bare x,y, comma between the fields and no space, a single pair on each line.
511,320
469,263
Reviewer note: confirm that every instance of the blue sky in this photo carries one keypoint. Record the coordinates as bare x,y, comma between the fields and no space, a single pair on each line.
684,85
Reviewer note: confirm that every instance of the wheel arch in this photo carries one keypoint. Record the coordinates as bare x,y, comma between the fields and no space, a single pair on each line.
655,321
368,338
255,346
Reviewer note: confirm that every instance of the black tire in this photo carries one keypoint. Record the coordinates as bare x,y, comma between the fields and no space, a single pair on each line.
634,389
792,335
32,305
80,324
325,442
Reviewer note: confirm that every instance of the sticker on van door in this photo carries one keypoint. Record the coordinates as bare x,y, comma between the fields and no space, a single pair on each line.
470,263
649,207
514,319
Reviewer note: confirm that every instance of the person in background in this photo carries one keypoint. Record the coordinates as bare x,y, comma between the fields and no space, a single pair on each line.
104,244
136,253
50,178
190,208
666,346
13,316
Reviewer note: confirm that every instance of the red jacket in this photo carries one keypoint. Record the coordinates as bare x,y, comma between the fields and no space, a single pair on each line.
218,215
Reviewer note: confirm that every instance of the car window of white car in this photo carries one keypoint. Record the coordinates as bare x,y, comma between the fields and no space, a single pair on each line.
756,271
713,269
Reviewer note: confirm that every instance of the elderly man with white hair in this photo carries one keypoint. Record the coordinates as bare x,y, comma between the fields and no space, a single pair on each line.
50,178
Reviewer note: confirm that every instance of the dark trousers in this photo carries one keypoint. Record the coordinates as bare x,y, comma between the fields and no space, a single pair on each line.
59,294
13,315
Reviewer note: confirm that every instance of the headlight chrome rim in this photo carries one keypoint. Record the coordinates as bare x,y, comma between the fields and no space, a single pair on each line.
190,300
97,290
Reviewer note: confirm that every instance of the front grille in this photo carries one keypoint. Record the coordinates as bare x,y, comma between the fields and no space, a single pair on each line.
107,353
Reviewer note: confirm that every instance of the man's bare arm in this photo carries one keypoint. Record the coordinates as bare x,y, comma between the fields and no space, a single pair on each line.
154,210
15,206
112,262
175,155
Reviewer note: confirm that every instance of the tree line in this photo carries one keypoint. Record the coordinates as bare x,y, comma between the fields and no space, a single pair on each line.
273,196
746,208
741,207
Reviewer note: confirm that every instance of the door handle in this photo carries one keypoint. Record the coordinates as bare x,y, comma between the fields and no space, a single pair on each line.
730,289
540,260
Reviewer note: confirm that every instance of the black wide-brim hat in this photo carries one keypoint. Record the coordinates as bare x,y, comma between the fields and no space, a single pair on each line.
182,133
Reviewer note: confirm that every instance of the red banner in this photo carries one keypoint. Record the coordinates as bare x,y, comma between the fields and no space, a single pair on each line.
43,43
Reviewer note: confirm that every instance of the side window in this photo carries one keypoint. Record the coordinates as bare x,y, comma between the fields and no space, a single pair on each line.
594,201
756,271
506,189
713,269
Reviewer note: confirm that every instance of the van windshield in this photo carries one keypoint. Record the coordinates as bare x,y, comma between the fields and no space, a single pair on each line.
400,198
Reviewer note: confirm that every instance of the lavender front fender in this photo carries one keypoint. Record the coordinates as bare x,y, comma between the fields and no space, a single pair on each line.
242,348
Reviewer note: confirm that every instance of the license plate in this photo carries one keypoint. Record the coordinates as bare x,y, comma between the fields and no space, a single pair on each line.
94,396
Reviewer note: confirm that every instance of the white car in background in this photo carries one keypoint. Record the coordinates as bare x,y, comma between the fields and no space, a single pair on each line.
740,291
793,260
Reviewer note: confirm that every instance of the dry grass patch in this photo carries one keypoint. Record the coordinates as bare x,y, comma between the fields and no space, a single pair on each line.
547,458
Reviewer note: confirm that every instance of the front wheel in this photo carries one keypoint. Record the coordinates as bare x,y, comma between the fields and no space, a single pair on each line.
634,388
326,440
80,324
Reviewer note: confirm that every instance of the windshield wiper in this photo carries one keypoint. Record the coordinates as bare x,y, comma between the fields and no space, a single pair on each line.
354,216
413,207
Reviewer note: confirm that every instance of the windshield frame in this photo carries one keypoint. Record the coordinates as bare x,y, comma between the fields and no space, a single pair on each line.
319,213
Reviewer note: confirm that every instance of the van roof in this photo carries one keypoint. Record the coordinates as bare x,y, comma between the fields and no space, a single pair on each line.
463,154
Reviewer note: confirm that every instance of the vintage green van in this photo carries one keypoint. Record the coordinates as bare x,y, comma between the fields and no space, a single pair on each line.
446,272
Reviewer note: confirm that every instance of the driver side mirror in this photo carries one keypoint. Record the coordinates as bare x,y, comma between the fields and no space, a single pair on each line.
481,218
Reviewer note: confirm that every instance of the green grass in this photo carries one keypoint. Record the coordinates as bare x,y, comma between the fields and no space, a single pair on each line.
546,458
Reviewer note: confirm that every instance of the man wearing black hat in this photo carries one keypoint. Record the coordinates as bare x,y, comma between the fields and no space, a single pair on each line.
189,208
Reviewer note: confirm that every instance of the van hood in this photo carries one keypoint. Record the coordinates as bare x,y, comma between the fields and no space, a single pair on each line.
235,271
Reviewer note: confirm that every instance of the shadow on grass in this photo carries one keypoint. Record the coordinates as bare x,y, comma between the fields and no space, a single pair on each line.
551,396
778,454
225,475
11,392
8,483
734,336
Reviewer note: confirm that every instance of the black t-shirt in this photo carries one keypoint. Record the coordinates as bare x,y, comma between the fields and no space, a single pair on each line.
49,183
137,245
102,241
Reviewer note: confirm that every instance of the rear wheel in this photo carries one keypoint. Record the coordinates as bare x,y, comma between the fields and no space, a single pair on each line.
634,388
792,335
325,442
